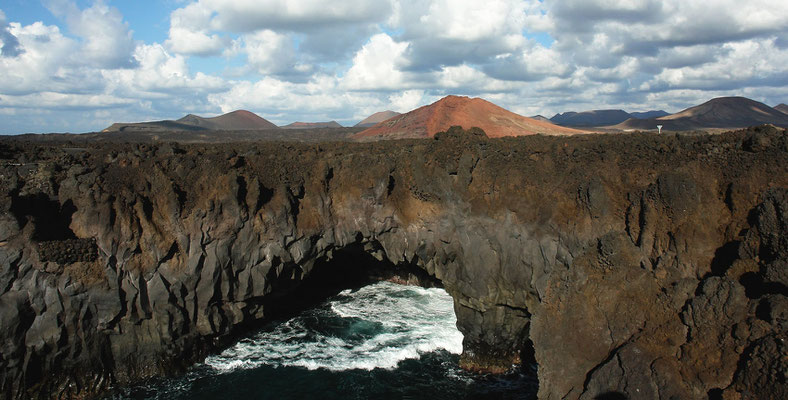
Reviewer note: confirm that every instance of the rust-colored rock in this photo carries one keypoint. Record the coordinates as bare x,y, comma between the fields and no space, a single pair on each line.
461,111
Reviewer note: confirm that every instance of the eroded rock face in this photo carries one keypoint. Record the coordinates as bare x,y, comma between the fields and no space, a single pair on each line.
649,267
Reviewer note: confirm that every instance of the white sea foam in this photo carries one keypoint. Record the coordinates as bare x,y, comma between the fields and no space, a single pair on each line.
376,326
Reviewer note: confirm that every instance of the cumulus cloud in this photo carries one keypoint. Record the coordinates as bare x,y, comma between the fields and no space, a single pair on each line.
293,15
272,53
55,73
321,99
643,27
406,100
9,44
160,74
327,31
530,64
189,33
106,39
446,33
71,101
344,60
378,65
748,63
44,64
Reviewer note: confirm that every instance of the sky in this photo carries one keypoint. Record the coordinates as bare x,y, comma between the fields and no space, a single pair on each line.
79,66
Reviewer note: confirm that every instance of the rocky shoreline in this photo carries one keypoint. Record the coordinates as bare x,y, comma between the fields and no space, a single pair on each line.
634,264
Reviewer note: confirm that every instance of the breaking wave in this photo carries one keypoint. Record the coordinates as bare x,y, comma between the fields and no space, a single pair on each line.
376,326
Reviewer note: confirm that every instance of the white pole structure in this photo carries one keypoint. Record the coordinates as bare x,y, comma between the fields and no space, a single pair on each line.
659,129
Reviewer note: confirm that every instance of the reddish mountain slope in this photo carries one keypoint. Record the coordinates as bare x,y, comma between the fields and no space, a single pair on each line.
463,111
782,107
376,118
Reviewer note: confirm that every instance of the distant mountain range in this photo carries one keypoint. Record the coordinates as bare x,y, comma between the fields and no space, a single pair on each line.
376,118
601,117
463,111
722,112
312,125
240,120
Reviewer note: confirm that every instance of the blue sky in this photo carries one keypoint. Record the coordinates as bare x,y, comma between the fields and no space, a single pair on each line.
78,66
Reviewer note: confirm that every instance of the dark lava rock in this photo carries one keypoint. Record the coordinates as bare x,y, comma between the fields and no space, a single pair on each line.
625,266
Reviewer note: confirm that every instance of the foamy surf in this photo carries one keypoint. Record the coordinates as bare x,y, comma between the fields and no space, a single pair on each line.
383,341
377,326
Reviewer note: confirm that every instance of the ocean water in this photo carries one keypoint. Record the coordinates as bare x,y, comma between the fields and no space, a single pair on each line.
382,341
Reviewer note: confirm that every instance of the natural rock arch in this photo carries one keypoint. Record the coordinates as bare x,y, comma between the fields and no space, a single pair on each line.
602,273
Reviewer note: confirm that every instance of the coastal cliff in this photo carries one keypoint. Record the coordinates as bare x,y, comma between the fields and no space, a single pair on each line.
637,265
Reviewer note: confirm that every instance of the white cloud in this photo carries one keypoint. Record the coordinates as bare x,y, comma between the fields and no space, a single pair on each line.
53,73
294,15
465,21
160,74
189,33
9,44
272,53
44,64
642,27
466,79
344,60
185,41
54,100
106,39
747,63
378,65
321,99
530,64
447,33
406,100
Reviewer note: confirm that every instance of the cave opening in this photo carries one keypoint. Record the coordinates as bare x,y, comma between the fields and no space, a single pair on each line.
351,267
355,325
356,321
51,219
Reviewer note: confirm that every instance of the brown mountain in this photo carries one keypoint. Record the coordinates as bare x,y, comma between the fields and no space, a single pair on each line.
455,110
722,112
540,117
151,126
312,125
376,118
239,120
782,107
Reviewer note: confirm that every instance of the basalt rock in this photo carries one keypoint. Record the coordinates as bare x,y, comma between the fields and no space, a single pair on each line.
630,265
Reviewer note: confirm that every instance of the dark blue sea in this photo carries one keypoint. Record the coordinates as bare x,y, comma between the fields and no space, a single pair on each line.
382,341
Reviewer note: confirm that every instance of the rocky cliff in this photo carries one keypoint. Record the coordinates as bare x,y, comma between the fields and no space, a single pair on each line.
636,265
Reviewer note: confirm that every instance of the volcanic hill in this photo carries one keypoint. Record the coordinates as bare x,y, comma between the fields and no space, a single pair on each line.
649,114
376,118
721,112
591,118
601,117
238,120
463,111
312,125
782,107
